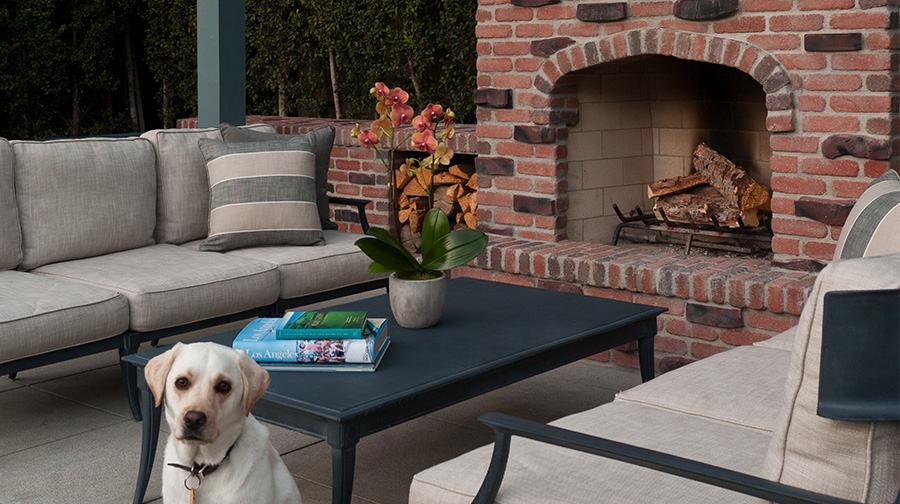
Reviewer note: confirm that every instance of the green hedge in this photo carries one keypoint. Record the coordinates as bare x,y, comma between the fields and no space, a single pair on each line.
77,67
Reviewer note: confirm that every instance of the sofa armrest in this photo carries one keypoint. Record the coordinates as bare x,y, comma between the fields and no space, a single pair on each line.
506,426
360,205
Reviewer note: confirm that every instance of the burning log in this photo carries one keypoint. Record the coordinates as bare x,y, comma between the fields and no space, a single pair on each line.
731,180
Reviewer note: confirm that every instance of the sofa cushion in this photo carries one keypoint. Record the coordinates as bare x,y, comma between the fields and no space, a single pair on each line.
84,197
167,285
539,473
261,194
10,232
183,197
728,387
873,226
323,139
310,270
41,314
857,461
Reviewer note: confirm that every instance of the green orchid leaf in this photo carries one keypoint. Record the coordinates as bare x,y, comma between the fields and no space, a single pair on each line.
454,249
386,256
434,227
384,236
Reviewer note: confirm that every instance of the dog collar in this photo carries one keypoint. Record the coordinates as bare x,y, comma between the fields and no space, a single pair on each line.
203,470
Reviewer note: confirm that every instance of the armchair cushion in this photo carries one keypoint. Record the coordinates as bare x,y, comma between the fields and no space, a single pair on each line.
323,140
261,194
857,461
10,233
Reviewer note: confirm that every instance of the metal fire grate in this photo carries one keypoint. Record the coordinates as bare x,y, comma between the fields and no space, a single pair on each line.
647,227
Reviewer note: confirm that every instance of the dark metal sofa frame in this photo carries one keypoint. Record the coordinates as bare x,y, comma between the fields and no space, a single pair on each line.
129,341
870,315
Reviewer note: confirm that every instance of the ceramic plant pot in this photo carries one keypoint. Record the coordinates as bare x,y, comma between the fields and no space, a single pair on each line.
417,304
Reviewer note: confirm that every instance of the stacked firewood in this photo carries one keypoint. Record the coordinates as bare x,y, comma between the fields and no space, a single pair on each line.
719,192
454,191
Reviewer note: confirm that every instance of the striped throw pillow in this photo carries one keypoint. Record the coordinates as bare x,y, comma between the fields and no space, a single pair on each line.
873,226
261,194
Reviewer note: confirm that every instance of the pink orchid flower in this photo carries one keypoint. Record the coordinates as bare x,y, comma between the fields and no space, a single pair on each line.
401,114
368,139
421,122
424,141
398,97
433,112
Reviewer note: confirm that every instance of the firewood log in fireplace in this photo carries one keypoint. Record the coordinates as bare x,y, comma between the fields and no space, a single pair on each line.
698,205
674,185
731,180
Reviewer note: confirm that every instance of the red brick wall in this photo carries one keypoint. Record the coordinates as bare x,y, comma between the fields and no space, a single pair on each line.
828,69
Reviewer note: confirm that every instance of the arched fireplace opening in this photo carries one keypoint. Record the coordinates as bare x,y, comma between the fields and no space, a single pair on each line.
639,121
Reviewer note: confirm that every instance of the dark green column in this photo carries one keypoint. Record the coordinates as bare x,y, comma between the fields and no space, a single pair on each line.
221,67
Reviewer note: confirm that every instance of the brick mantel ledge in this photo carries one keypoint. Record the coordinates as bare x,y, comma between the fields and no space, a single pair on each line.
714,303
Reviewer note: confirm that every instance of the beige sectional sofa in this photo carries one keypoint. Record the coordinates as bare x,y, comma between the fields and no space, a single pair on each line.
752,410
100,247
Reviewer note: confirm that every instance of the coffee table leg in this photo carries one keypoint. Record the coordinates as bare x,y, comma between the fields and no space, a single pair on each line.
152,418
343,440
645,352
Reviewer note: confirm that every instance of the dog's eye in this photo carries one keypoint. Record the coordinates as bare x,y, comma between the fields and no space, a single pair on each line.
182,383
223,387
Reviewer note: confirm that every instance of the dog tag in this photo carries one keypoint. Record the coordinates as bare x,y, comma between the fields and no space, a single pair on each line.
192,488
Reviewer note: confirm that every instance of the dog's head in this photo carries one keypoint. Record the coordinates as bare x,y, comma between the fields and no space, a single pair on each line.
208,388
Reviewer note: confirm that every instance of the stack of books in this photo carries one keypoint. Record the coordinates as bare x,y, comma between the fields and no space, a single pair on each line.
316,341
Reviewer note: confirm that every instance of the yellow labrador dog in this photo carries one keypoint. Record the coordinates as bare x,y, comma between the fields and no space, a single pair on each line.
217,453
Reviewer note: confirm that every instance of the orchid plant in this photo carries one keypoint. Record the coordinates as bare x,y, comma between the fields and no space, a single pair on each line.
394,113
441,248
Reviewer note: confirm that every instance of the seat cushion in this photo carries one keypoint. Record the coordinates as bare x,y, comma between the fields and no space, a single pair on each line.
323,140
167,285
539,473
310,270
857,461
261,194
873,226
41,314
10,232
84,197
728,387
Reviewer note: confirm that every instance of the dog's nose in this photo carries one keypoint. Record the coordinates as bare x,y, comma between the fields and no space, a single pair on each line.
194,420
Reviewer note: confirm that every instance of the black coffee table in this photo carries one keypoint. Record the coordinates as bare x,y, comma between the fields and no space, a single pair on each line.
491,335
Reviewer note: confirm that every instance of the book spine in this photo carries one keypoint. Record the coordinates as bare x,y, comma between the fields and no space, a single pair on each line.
295,334
309,351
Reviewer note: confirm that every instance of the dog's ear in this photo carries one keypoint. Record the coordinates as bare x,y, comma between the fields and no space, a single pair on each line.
157,369
256,379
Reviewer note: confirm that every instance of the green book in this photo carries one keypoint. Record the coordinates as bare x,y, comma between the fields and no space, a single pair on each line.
322,324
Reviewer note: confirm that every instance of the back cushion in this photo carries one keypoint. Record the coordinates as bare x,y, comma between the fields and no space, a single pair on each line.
873,226
84,197
182,209
857,461
10,233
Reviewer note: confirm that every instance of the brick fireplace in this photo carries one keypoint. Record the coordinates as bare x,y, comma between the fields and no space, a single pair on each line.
584,103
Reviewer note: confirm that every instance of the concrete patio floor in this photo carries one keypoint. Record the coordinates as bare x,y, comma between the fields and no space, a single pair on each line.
67,436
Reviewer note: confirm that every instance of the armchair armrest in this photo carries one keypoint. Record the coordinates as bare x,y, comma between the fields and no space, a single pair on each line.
360,205
506,426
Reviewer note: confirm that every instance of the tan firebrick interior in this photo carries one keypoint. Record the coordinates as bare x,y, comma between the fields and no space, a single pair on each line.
640,120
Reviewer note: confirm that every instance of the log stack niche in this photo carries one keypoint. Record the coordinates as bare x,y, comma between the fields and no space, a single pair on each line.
455,189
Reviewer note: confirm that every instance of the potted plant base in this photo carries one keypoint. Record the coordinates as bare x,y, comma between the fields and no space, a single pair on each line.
417,304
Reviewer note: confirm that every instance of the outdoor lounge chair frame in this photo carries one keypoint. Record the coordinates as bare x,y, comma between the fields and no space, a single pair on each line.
843,313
